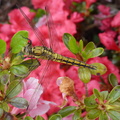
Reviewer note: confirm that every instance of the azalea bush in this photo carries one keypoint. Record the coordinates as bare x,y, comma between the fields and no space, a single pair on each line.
38,89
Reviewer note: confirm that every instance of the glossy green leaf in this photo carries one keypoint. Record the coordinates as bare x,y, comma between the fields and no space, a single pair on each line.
97,94
1,112
2,46
114,94
14,89
113,79
104,95
90,46
66,39
70,43
94,113
77,114
39,118
19,70
28,118
100,69
84,56
17,59
39,13
31,64
55,117
5,107
67,111
114,115
4,77
19,102
90,102
115,105
95,52
19,41
80,46
103,116
84,74
2,87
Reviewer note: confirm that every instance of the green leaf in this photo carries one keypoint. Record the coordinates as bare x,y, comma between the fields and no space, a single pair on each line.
84,74
90,102
17,59
39,118
95,52
19,41
114,115
31,64
100,69
113,80
97,94
90,46
39,13
55,117
80,46
19,70
115,105
103,116
5,107
19,102
114,94
94,113
1,112
77,114
28,118
67,111
4,76
14,89
70,43
84,56
104,95
2,46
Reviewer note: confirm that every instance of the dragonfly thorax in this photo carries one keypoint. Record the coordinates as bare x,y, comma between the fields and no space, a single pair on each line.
42,52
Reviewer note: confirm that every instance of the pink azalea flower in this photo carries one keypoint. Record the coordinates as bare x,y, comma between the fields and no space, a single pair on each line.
104,9
37,106
116,20
108,40
77,17
89,2
102,19
105,24
17,20
68,117
51,90
59,16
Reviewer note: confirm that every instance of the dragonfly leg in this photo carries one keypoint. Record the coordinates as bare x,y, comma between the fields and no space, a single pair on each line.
30,41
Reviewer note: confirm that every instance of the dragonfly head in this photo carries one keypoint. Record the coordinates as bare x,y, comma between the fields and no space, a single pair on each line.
27,50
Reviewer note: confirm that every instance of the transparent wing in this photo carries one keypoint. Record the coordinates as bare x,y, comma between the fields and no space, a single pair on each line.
34,28
53,36
36,94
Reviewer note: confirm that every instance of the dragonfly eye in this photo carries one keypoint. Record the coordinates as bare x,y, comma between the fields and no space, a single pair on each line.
27,49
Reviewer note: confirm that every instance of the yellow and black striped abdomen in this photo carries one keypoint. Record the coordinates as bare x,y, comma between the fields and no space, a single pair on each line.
70,61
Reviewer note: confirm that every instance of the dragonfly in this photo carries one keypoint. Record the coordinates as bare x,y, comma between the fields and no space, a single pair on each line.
47,53
43,52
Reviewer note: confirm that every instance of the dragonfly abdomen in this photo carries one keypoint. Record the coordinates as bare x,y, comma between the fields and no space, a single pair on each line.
70,61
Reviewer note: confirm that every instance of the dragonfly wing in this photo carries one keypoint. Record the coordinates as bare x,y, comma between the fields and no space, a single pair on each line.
42,83
36,31
53,36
